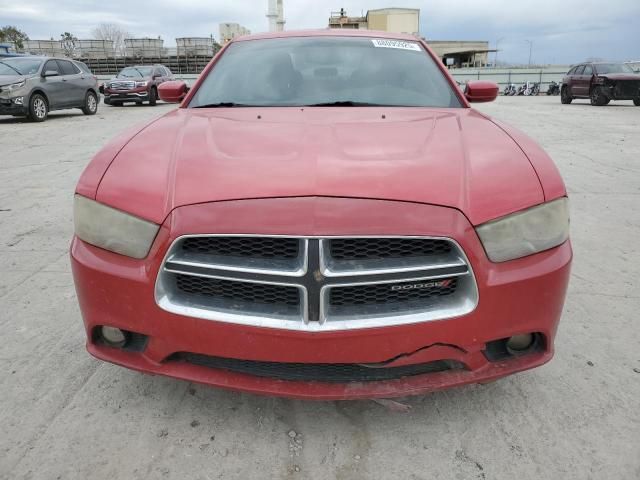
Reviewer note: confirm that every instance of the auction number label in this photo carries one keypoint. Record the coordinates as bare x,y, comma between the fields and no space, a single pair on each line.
383,43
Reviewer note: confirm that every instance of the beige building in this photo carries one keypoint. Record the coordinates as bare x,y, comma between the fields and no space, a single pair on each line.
229,31
398,20
459,53
407,20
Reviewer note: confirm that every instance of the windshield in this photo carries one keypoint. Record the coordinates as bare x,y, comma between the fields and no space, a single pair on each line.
19,66
135,72
325,71
613,68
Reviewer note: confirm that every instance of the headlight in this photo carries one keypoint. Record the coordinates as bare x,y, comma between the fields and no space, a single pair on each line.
14,86
141,84
527,232
112,229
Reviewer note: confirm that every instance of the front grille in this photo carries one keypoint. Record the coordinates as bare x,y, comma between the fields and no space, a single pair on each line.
238,291
123,85
317,372
628,88
316,284
379,248
391,293
255,247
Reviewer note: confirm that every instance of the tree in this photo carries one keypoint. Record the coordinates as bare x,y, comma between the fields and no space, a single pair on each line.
69,43
14,35
112,32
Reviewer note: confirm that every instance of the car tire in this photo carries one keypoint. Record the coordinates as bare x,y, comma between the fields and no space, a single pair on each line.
153,96
636,102
38,108
597,97
90,104
565,95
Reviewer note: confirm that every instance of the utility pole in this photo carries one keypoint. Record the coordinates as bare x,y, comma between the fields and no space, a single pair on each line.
495,60
530,42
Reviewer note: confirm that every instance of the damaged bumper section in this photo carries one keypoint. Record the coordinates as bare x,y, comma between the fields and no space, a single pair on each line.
335,354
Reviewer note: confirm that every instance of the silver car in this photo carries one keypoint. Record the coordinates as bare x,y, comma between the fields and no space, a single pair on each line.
33,86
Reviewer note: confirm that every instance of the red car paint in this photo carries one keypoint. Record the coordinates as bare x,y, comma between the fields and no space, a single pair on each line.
323,172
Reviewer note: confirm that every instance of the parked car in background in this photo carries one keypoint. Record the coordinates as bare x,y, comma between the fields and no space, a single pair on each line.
136,84
601,83
325,216
33,86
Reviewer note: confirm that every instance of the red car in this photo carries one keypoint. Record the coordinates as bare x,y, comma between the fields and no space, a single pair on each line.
136,84
601,83
323,217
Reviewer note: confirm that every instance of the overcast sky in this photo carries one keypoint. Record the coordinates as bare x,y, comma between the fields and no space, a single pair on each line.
562,31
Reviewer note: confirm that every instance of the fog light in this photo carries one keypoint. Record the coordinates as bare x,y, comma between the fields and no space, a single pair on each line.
520,343
113,336
18,100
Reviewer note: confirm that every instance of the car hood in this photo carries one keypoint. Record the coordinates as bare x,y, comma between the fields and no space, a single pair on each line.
130,79
620,76
453,157
9,79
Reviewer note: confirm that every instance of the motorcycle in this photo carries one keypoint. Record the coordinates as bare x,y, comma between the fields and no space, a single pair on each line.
529,89
554,89
533,89
509,90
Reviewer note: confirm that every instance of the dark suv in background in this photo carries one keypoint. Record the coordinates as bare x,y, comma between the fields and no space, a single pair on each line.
136,84
33,86
601,83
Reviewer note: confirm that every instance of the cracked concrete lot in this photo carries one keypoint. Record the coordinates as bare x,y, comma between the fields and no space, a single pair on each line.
64,415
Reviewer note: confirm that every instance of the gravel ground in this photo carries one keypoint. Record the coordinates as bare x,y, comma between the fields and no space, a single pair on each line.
64,415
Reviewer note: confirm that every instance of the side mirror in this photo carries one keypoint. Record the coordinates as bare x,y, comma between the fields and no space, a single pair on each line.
173,92
478,91
50,73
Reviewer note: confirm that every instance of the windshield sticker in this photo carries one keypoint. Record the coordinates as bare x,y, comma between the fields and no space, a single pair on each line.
380,43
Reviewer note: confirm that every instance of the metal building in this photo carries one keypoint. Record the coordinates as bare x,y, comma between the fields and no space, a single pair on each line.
195,46
50,48
144,47
96,48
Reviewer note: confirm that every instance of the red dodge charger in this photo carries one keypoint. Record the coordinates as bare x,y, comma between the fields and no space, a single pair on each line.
324,216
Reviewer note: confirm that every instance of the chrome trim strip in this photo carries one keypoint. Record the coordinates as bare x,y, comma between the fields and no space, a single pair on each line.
382,319
299,272
328,272
163,299
466,303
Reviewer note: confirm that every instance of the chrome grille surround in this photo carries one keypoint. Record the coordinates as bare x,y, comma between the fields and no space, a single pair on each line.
315,273
121,85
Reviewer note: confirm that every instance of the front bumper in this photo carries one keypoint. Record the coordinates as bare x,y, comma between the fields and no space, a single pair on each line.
8,106
135,95
521,296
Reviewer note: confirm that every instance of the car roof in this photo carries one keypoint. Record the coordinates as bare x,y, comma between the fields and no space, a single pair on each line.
328,32
138,66
44,57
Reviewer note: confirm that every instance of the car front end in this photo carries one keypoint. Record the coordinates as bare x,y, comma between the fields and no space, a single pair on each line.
126,90
323,252
14,96
195,308
616,87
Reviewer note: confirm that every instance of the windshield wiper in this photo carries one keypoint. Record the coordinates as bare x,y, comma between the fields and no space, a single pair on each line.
15,70
224,105
345,103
